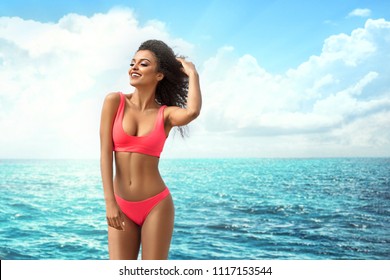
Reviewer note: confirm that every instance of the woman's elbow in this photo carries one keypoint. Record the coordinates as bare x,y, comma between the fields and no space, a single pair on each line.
193,114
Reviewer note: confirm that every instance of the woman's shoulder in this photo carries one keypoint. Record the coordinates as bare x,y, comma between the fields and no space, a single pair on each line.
169,108
113,98
112,101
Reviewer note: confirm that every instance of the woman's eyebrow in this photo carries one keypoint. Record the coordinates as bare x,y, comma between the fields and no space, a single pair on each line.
141,59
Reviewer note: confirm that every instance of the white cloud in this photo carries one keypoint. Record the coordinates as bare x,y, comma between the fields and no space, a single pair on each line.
360,13
326,101
54,77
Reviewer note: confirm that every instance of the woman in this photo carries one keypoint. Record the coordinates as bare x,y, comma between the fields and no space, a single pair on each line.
133,130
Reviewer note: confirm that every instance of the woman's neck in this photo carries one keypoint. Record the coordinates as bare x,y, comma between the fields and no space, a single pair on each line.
144,99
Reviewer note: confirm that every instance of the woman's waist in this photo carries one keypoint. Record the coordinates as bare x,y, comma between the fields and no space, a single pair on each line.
136,189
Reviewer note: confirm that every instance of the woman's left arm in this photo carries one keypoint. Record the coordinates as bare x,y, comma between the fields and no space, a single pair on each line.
182,116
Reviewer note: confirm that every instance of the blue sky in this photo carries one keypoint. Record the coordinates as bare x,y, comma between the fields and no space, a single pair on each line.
281,34
279,78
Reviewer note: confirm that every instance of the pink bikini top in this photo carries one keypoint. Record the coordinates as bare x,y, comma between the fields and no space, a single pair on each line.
151,144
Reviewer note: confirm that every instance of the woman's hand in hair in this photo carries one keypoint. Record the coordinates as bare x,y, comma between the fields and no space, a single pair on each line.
188,67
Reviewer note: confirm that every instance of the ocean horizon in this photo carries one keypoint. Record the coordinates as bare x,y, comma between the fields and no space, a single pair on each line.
226,208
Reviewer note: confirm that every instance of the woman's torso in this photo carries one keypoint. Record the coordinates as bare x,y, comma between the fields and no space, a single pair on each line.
136,172
137,176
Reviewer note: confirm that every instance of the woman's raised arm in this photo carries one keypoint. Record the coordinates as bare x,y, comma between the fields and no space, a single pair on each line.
181,116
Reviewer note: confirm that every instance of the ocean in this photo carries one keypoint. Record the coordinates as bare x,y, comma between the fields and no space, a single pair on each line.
226,209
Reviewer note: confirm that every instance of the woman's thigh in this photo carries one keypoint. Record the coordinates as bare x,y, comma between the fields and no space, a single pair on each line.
156,233
124,244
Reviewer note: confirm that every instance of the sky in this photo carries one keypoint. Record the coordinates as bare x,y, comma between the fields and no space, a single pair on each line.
279,78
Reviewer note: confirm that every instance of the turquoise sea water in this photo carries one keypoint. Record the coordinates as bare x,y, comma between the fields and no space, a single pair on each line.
225,209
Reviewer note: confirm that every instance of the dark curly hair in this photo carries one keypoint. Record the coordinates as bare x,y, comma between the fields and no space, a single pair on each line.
172,90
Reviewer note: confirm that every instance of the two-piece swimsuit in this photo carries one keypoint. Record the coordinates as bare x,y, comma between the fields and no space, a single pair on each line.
151,144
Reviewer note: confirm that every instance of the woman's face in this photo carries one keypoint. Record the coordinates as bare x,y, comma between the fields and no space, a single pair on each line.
143,69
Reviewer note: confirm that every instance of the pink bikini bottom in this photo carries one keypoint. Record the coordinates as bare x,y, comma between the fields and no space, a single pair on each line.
137,211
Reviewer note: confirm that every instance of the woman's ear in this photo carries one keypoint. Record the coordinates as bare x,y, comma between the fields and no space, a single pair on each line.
160,76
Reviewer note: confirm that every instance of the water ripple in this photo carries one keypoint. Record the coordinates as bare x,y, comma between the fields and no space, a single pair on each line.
225,209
